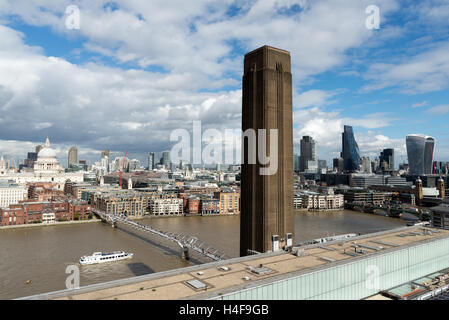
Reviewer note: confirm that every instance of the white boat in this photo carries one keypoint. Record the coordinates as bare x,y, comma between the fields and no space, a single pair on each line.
100,257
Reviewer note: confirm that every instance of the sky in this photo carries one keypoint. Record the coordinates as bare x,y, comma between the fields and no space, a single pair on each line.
135,71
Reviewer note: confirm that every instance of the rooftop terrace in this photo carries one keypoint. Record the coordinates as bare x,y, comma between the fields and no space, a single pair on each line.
214,279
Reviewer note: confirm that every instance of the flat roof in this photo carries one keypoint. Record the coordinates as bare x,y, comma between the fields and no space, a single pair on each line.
268,47
241,273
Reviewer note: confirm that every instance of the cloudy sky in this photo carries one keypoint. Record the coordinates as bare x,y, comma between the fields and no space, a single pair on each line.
136,70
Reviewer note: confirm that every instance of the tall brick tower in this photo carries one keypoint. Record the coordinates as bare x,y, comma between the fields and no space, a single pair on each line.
267,199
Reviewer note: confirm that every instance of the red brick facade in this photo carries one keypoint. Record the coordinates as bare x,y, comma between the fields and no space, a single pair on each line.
28,212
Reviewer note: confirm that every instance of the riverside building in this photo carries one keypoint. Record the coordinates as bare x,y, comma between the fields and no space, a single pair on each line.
11,193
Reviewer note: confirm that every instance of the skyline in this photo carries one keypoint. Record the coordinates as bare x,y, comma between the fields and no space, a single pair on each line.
386,83
160,155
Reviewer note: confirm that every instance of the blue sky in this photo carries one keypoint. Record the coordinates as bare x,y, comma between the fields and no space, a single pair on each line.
136,70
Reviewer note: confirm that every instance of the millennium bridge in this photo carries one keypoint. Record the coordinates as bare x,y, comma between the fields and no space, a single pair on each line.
185,242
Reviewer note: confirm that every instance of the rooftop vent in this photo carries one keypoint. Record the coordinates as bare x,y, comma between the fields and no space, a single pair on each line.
197,284
261,270
327,248
384,243
370,247
300,252
328,259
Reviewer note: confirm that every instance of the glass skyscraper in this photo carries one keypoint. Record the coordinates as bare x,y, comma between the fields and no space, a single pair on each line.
165,160
308,157
387,156
151,165
420,153
350,153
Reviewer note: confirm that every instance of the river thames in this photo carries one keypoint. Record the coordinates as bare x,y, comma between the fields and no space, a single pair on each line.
41,254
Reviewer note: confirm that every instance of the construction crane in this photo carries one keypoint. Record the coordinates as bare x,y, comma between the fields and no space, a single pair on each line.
123,166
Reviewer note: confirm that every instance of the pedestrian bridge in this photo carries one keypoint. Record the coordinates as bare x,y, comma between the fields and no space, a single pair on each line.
185,242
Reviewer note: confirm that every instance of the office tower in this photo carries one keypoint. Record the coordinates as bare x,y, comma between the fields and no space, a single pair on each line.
322,165
377,164
105,153
308,157
296,163
165,160
73,156
428,155
105,164
151,164
420,153
38,148
30,160
441,167
387,156
133,164
338,164
32,156
266,199
335,164
366,165
350,153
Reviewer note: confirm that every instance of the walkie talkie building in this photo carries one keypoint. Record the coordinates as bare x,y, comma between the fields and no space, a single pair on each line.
420,150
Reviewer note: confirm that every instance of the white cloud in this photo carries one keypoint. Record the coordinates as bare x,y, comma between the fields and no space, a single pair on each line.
420,104
195,39
315,98
326,129
434,12
42,125
424,72
440,109
97,106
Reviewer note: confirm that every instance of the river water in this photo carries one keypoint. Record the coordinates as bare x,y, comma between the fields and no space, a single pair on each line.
42,254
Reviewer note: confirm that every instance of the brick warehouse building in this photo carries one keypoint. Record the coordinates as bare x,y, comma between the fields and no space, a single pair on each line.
28,212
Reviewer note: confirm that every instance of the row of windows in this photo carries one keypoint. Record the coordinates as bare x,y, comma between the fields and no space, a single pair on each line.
112,257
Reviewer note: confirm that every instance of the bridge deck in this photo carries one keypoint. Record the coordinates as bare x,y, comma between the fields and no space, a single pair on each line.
173,284
184,241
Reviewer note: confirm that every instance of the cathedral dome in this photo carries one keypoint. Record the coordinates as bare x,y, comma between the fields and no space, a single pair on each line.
47,152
